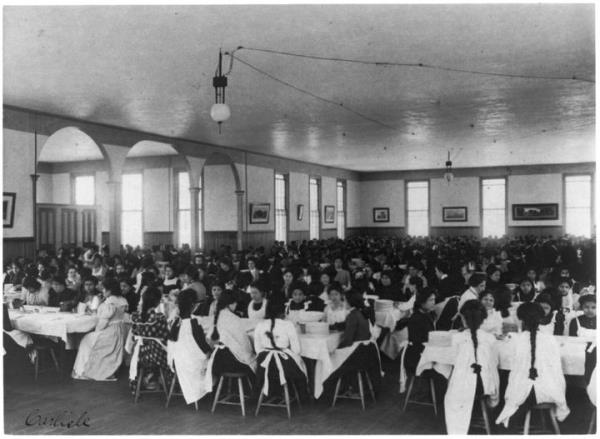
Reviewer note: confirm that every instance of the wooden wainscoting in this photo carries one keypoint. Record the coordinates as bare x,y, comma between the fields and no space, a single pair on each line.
158,238
555,231
259,238
298,235
455,231
376,231
328,233
17,247
214,240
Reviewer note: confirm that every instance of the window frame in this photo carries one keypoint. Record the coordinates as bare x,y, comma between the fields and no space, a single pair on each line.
286,201
592,201
506,204
74,176
143,227
406,209
344,185
318,210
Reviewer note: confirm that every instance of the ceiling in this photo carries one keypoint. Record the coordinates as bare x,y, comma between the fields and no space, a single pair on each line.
150,68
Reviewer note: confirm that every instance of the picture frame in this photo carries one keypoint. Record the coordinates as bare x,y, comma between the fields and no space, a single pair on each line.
259,213
8,209
455,214
300,212
329,216
381,214
535,212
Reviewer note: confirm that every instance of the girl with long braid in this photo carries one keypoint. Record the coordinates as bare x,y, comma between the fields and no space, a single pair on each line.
536,374
475,370
278,348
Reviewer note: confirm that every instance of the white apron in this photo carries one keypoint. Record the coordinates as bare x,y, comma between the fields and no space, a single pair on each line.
190,364
277,355
462,384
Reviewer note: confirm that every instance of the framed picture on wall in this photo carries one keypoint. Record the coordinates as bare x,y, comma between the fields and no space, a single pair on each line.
535,212
454,214
381,214
8,208
329,214
259,213
300,212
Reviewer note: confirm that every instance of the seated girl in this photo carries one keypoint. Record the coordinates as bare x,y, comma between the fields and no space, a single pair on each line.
570,301
420,323
337,310
493,322
33,293
91,297
203,303
475,370
502,298
101,352
299,302
585,325
524,292
356,326
257,307
191,350
151,353
234,353
536,375
552,320
215,290
276,336
126,285
170,281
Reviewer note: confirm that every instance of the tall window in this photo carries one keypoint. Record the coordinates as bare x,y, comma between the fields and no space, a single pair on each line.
184,220
313,201
85,191
417,195
131,219
280,208
341,210
200,198
493,200
578,205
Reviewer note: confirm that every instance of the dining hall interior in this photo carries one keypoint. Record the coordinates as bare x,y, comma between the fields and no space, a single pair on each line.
299,219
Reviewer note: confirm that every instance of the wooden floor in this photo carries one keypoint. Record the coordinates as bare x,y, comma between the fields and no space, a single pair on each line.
110,410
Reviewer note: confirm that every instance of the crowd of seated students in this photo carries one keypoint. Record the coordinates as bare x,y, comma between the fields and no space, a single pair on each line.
326,276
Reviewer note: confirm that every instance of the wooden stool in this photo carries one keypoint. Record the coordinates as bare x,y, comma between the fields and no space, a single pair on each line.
276,401
543,409
592,426
174,382
140,377
38,349
411,382
484,421
227,399
360,395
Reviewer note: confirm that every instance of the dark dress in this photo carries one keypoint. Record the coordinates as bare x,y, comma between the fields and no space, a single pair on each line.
356,329
419,326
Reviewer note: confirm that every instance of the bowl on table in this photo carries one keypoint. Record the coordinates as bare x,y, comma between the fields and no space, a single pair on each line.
316,328
511,286
440,338
382,305
310,316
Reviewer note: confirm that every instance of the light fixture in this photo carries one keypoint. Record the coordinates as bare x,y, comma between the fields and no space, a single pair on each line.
220,111
448,175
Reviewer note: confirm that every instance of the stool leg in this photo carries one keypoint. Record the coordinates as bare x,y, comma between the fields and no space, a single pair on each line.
196,405
242,399
592,422
36,366
138,386
54,360
337,391
361,390
486,420
370,384
286,393
527,421
411,382
173,382
260,400
433,399
297,395
554,421
216,400
249,382
163,382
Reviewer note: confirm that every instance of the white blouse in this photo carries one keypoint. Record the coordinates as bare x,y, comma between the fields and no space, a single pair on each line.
493,322
337,315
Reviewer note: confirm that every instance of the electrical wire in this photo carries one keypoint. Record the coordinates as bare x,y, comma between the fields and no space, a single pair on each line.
419,65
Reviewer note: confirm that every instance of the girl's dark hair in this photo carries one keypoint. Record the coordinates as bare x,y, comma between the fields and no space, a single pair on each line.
226,299
530,314
113,286
185,302
30,282
355,300
335,286
474,314
476,279
502,300
298,286
274,310
565,280
587,298
545,298
491,269
192,272
422,297
150,299
417,281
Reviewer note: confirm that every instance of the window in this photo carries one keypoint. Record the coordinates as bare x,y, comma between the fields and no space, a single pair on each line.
200,236
313,201
85,191
131,218
493,207
578,205
280,208
341,210
417,195
184,213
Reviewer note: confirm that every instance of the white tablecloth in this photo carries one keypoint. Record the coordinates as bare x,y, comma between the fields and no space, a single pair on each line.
53,324
320,348
441,358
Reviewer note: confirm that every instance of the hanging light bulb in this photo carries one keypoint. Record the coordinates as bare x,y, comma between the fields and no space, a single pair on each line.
220,111
448,175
